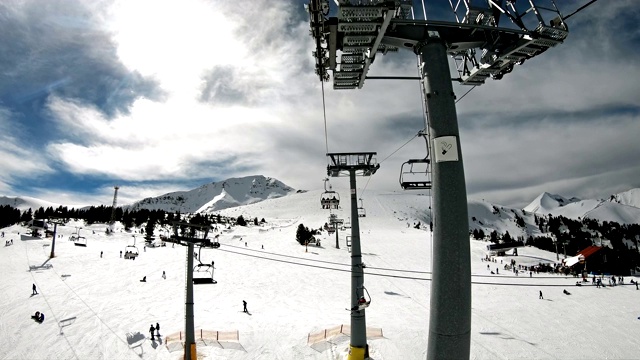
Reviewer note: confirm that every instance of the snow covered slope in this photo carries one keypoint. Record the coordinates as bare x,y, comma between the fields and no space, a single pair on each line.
25,202
620,208
629,197
216,196
96,307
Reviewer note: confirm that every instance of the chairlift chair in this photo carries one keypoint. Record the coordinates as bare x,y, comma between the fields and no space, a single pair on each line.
361,211
80,241
130,252
203,273
329,199
364,300
415,174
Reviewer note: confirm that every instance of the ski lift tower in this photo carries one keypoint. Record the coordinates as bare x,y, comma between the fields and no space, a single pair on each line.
486,39
188,235
352,164
55,221
113,209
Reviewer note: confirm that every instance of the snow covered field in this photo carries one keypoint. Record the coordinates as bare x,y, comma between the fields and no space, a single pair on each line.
96,308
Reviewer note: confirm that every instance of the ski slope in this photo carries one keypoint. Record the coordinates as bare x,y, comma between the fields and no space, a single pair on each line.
96,307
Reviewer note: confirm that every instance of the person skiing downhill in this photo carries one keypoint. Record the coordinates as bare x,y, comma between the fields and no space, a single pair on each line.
244,304
35,292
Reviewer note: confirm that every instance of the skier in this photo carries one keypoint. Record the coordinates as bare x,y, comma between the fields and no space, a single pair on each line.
35,292
164,276
101,254
151,330
158,330
120,253
144,279
244,304
541,295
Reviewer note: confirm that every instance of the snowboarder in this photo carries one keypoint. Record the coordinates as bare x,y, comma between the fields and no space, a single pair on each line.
151,330
541,295
566,292
144,279
35,292
164,276
244,304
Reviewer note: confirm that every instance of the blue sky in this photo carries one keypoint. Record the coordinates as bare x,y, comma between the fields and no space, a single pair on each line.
158,96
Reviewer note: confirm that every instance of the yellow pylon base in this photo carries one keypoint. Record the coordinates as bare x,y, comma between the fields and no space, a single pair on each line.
356,353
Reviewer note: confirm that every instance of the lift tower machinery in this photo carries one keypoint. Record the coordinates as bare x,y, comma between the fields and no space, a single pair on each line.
352,164
486,39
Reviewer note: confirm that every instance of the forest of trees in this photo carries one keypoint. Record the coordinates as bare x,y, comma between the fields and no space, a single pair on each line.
102,215
574,235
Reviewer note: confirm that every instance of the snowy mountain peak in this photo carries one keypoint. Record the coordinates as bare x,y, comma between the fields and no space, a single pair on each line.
629,197
217,195
545,203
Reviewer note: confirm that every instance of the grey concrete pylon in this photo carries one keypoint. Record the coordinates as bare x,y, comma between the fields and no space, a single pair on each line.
189,331
358,319
450,310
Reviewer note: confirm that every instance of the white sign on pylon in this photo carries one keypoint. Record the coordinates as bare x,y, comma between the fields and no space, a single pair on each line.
446,148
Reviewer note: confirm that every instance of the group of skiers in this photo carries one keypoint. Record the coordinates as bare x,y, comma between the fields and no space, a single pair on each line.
156,329
8,242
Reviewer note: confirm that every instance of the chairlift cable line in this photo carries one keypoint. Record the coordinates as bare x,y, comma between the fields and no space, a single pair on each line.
385,275
390,155
324,114
379,268
579,9
465,94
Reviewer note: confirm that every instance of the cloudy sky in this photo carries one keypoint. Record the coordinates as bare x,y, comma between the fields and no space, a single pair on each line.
157,96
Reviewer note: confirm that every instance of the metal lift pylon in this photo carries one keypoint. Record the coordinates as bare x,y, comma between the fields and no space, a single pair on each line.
352,164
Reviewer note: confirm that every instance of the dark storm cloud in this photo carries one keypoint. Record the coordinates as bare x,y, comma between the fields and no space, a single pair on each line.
61,47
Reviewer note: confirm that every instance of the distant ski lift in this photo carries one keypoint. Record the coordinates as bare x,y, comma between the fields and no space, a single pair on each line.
361,210
80,241
203,273
329,198
415,174
130,252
